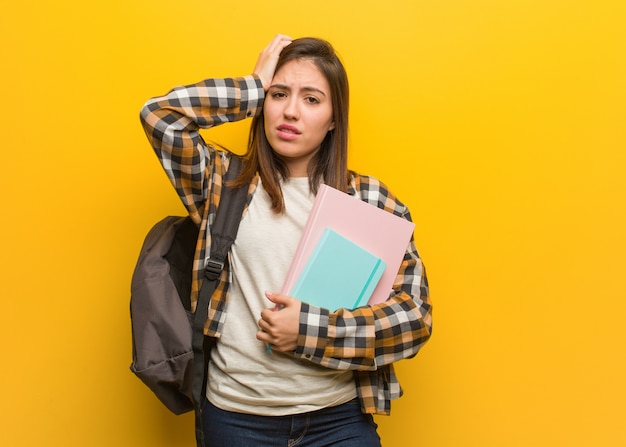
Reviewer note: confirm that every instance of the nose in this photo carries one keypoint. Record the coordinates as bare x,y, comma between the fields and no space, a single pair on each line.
292,109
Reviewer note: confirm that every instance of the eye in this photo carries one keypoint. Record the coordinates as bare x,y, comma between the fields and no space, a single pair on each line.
312,100
278,95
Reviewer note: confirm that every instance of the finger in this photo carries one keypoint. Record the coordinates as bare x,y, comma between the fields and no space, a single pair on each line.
264,325
280,41
267,315
278,299
276,45
264,337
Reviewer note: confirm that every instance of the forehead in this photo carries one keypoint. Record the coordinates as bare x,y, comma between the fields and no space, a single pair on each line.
301,73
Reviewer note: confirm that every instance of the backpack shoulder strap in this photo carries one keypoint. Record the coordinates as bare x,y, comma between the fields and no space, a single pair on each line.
226,223
223,234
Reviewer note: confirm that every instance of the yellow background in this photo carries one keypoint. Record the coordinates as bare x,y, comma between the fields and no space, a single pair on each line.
499,122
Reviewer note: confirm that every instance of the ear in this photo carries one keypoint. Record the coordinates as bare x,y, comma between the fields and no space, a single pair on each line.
332,126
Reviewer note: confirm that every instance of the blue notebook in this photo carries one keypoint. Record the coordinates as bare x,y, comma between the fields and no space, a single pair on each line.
339,273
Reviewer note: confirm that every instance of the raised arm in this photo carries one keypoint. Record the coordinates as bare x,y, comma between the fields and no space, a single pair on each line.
172,123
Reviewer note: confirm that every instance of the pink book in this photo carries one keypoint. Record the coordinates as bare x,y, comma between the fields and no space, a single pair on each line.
380,232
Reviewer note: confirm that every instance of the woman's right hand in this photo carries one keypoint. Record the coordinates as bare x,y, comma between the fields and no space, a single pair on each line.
266,64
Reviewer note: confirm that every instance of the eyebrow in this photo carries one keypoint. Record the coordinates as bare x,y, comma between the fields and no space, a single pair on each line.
306,88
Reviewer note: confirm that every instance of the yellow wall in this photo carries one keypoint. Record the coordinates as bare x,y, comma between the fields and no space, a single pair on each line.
500,123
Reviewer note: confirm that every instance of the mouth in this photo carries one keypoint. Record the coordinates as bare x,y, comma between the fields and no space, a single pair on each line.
285,128
287,132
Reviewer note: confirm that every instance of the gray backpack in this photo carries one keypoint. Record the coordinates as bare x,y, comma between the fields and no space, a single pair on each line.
169,349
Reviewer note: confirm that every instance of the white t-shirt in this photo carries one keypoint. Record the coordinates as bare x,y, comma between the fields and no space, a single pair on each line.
242,377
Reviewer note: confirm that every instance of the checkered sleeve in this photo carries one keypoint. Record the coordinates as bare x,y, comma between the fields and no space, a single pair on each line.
172,124
368,337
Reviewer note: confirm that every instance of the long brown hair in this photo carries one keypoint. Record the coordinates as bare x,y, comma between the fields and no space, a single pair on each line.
330,163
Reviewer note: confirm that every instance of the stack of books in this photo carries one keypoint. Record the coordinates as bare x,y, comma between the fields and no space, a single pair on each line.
349,253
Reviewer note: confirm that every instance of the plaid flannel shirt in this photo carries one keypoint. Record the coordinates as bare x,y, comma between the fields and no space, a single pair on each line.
367,340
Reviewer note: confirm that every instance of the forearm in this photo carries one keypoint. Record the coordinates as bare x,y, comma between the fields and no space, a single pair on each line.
172,124
368,337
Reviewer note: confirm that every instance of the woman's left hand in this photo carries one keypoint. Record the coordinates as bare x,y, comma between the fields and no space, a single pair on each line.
280,325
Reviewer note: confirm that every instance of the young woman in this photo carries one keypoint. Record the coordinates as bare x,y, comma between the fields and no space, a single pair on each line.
328,371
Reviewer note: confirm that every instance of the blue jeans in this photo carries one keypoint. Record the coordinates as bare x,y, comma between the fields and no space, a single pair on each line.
340,426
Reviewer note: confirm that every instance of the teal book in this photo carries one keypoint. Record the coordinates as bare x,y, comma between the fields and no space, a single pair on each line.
339,273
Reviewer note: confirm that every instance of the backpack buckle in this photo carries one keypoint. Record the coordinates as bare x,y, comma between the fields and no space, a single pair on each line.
212,269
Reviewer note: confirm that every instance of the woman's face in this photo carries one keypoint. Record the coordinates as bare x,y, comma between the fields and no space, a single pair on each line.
298,114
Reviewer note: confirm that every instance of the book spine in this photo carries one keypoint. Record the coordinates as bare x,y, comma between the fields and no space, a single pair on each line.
370,284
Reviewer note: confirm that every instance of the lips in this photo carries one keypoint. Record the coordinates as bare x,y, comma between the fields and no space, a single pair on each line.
287,132
288,129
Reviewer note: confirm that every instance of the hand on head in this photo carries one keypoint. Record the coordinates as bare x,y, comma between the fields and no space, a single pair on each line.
266,63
